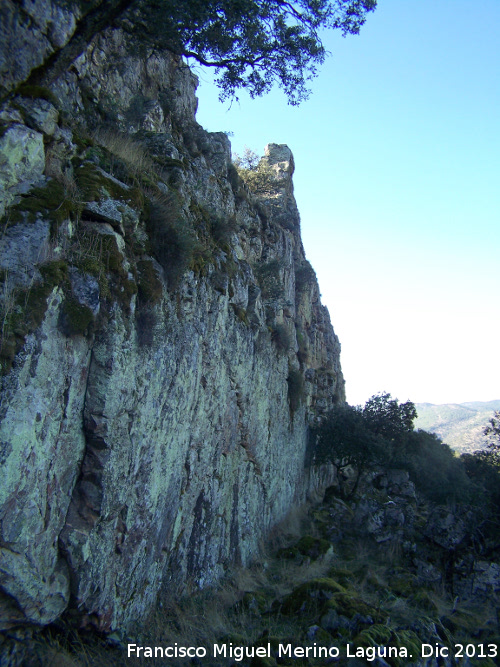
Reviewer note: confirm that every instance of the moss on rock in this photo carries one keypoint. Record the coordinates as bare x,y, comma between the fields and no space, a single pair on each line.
311,595
95,184
348,604
308,546
54,273
75,318
375,635
50,201
403,584
255,602
341,574
410,641
28,311
150,287
240,313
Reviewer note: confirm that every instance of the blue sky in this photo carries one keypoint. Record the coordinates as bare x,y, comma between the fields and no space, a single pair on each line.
397,180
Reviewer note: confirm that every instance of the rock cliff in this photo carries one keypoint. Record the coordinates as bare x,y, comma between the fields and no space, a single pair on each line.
164,348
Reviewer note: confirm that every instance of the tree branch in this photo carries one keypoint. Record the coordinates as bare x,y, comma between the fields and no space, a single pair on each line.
252,62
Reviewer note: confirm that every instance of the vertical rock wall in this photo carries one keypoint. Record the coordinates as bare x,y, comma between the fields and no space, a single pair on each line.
153,424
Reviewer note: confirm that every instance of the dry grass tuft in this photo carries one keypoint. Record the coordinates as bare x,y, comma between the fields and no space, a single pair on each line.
124,147
57,657
296,523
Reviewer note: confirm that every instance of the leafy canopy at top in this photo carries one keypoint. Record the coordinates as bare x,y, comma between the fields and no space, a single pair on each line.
365,436
387,417
251,44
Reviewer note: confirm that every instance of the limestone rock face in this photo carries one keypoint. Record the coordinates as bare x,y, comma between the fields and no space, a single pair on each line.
30,32
22,161
446,528
164,347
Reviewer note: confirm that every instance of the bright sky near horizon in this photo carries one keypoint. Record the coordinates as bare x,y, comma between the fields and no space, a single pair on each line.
397,180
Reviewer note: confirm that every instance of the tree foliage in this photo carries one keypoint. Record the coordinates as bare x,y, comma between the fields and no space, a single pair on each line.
387,417
257,175
381,434
251,44
492,432
345,439
366,435
436,471
483,467
249,161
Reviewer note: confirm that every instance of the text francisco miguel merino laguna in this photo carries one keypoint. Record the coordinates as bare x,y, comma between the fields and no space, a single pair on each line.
369,653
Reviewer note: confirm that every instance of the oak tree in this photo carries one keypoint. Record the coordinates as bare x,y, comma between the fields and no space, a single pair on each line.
250,44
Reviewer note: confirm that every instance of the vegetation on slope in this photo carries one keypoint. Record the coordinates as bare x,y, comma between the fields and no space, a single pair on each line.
374,565
324,581
381,433
460,425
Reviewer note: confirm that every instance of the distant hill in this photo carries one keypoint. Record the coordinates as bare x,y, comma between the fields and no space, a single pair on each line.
460,425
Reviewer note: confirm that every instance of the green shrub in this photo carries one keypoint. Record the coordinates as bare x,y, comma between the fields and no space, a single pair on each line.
345,440
240,313
150,287
269,279
280,337
173,241
483,469
295,382
260,181
435,470
222,230
234,179
305,276
382,434
388,417
249,161
145,320
137,108
75,317
257,175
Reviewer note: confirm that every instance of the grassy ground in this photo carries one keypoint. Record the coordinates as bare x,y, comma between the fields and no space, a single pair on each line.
305,591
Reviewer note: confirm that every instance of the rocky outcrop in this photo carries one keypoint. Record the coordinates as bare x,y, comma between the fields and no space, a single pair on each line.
30,34
164,347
